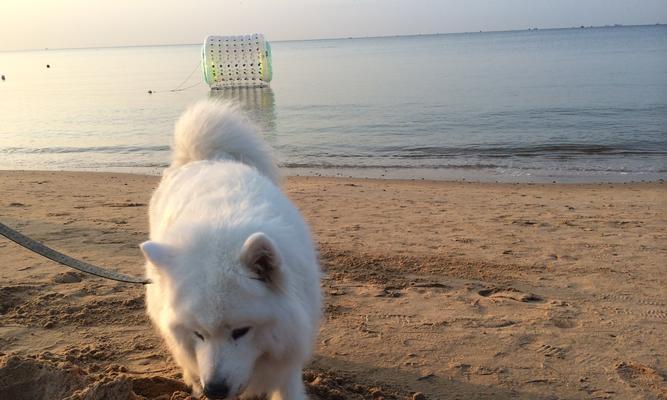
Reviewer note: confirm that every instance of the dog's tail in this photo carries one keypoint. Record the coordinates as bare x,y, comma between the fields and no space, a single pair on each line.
211,130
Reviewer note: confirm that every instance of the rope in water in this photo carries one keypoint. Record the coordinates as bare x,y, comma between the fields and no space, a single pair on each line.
186,88
61,258
179,87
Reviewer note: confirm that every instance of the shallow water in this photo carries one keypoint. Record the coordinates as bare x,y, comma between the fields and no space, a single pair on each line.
567,105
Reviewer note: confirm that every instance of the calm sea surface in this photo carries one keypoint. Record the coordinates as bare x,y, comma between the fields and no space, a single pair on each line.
565,105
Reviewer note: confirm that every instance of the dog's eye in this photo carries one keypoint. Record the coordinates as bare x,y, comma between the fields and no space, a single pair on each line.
238,333
199,335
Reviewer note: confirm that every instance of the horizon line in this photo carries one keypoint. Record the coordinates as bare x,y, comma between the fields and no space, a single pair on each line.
342,37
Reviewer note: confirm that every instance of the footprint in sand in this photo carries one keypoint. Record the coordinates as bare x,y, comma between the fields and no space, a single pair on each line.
624,298
589,359
511,294
551,351
651,314
655,314
650,302
643,378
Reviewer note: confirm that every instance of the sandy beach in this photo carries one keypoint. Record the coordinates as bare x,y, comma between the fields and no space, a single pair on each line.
434,290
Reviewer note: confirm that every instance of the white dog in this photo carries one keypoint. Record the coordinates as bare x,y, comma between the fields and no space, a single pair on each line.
235,290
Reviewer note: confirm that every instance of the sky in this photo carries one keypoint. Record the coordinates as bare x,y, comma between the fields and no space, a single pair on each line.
37,24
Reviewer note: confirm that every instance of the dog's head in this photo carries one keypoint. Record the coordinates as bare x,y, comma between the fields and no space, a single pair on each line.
227,307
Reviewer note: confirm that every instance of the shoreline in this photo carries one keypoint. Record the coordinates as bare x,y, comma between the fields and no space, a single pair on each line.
452,175
479,175
452,289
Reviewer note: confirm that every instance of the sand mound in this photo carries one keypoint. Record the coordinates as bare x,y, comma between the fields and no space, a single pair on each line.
41,379
329,386
32,379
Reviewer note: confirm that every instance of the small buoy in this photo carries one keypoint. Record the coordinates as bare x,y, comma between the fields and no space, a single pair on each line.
150,92
3,77
48,65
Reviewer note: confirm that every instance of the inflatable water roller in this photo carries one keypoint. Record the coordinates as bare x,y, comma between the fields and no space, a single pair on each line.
236,61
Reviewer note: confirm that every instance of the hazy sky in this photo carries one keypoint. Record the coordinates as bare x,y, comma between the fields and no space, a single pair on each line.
82,23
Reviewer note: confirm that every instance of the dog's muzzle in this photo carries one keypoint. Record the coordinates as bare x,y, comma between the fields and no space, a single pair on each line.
216,390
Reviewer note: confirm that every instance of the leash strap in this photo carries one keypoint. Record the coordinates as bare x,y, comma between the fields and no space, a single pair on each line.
61,258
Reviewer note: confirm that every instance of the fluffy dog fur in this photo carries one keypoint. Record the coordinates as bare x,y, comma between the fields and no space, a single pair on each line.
235,290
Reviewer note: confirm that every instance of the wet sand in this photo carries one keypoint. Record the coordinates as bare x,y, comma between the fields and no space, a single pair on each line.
436,290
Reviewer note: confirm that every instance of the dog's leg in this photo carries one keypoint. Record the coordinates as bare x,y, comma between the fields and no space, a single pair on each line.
197,391
292,389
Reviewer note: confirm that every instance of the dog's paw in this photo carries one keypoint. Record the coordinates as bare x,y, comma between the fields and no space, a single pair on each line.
197,392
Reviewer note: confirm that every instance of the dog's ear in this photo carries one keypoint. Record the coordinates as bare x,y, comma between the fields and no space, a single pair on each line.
160,255
260,255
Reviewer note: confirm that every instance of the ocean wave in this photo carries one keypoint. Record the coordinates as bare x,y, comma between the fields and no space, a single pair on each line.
323,165
408,152
553,151
538,150
578,168
92,149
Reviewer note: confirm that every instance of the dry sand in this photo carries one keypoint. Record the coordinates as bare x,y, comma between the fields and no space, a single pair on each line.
453,290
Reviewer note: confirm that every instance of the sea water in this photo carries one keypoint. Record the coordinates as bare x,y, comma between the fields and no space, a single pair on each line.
563,104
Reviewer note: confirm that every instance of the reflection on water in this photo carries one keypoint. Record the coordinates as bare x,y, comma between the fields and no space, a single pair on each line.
259,103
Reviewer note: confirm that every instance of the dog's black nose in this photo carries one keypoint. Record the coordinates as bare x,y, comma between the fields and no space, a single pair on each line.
216,390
